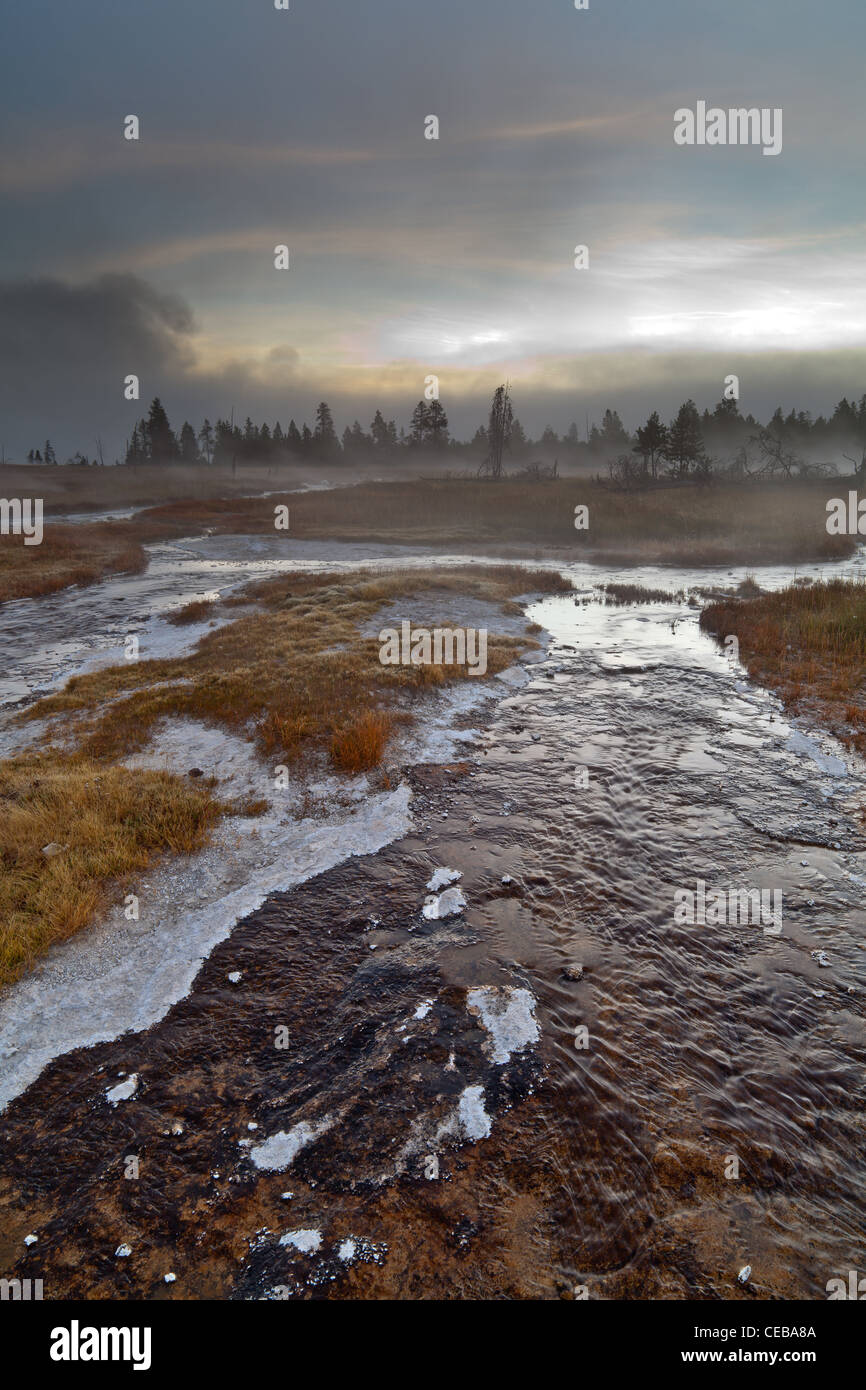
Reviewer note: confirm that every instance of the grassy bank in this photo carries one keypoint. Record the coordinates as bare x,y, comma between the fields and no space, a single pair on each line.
68,555
714,525
295,676
99,824
755,524
808,643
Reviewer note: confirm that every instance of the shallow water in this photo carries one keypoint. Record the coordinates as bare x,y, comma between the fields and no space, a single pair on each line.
635,762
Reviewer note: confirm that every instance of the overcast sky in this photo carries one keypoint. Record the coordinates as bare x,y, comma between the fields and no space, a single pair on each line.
411,256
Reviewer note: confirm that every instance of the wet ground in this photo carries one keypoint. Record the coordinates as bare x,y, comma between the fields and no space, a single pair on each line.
556,1087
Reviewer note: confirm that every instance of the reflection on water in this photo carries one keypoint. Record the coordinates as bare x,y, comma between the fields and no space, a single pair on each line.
709,1116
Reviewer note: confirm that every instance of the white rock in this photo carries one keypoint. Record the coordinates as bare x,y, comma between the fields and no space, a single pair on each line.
30,1240
281,1149
473,1118
744,1275
449,904
125,1091
507,1015
442,877
122,1251
170,1278
307,1241
235,977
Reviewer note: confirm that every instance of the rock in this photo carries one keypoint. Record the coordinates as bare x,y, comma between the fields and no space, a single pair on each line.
573,972
449,904
441,878
30,1240
744,1275
122,1251
125,1091
822,959
235,977
195,772
53,848
170,1278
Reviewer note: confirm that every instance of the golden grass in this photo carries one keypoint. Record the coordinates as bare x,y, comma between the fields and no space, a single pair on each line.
712,525
718,524
69,554
808,643
296,677
193,612
292,676
110,823
361,744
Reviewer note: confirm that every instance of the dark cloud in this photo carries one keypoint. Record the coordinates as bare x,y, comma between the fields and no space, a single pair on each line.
66,349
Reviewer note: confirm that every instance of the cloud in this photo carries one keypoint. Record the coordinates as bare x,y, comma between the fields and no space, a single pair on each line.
65,350
67,347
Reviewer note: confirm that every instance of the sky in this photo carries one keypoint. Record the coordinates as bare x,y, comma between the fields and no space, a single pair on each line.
412,257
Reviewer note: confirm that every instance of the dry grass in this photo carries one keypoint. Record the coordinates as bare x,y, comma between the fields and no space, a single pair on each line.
620,594
194,612
110,821
68,555
294,676
808,643
361,744
720,524
714,525
78,489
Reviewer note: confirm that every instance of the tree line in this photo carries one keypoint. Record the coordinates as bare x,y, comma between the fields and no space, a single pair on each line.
693,445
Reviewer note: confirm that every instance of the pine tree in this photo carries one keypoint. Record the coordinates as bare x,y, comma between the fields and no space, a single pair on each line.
613,435
437,425
684,449
159,434
188,446
498,430
418,425
206,440
324,434
379,431
651,440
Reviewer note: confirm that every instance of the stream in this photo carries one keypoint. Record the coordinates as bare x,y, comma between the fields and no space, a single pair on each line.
560,1090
